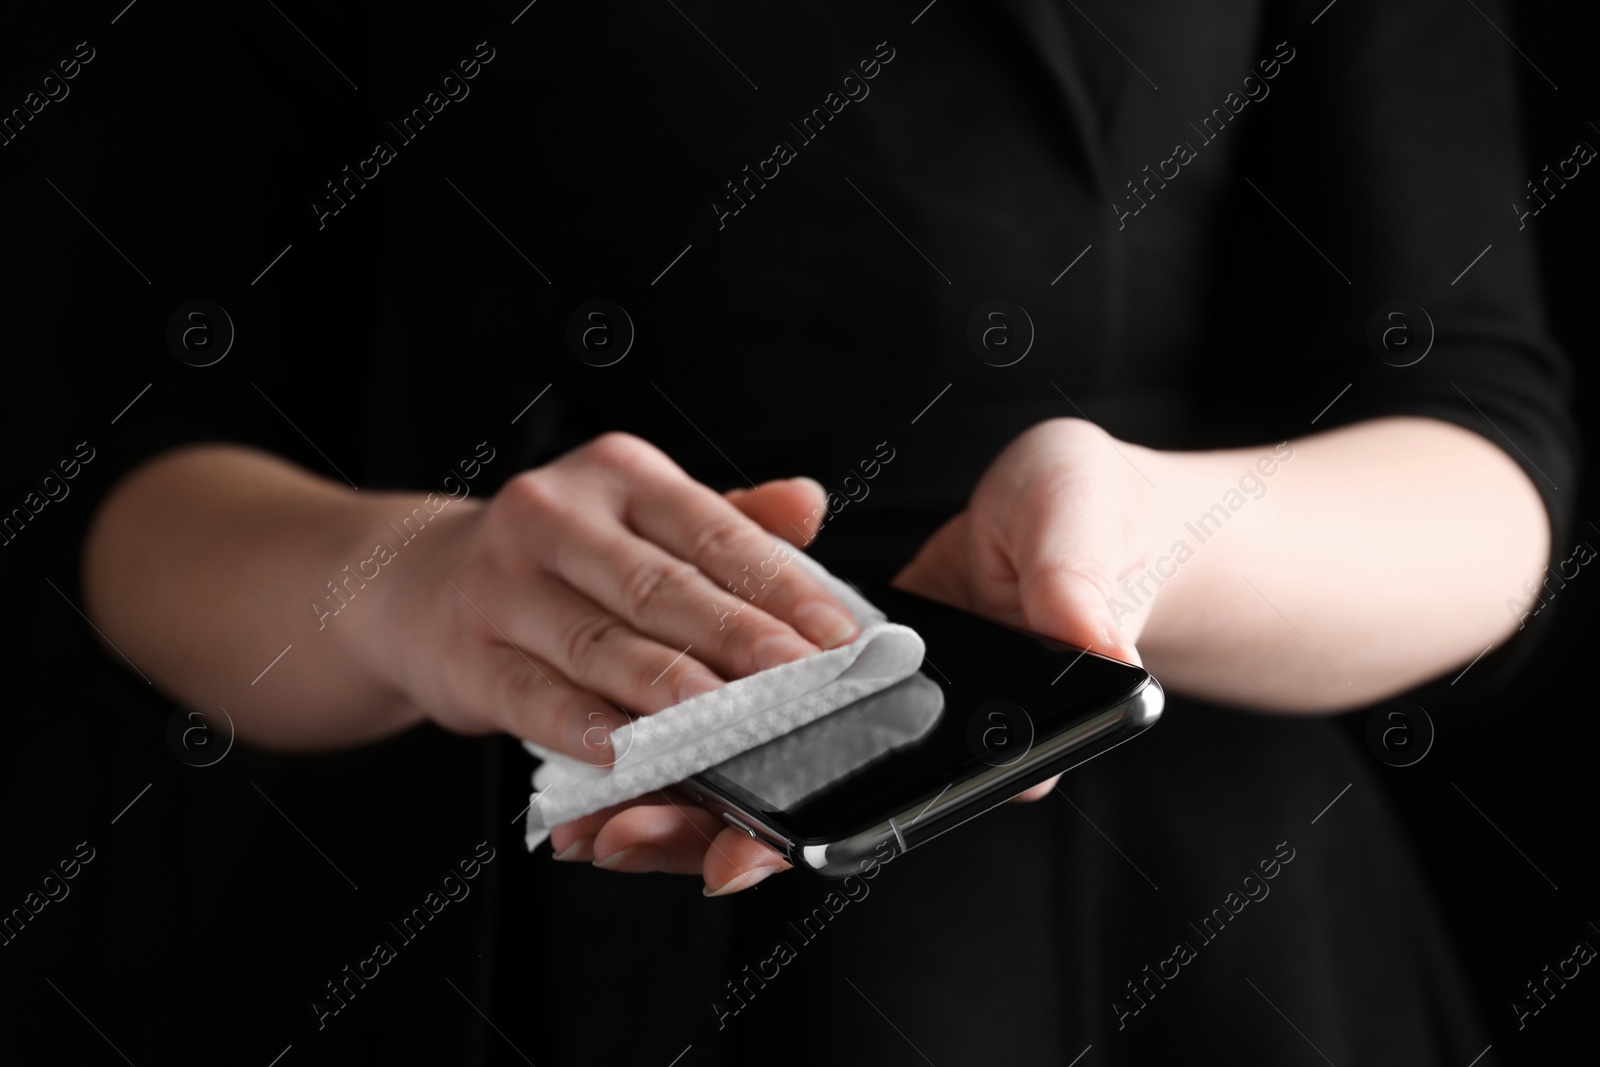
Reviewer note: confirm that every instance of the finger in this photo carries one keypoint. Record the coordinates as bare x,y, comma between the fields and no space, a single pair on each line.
574,841
696,524
1066,578
600,652
506,689
939,569
1072,606
659,834
791,508
1038,792
643,835
664,832
672,601
736,861
692,524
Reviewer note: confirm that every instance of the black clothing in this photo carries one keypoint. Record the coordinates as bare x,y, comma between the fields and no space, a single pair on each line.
786,323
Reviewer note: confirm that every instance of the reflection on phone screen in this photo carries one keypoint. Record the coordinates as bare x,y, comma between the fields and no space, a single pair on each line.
789,769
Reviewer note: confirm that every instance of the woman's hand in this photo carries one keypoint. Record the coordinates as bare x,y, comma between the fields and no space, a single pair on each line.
603,580
608,579
1055,524
1255,576
667,831
1058,521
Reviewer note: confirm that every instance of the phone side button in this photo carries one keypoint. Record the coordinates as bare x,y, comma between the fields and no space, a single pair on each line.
740,825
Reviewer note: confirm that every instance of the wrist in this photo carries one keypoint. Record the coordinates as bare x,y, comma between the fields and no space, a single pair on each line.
1210,512
386,602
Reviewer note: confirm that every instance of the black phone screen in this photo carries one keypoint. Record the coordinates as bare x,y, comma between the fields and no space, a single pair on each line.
983,696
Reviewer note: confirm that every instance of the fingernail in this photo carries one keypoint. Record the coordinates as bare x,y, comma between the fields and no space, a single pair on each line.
825,624
695,683
575,850
1116,646
743,881
640,859
777,650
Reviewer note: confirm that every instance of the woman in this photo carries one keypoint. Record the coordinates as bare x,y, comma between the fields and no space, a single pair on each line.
1203,214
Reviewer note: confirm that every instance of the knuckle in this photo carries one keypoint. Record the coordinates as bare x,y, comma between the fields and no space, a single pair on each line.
508,698
734,633
655,679
533,492
716,539
1093,574
753,586
1069,424
583,638
522,689
619,449
1068,432
650,578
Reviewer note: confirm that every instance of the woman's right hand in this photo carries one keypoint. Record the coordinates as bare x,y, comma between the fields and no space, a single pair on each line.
604,580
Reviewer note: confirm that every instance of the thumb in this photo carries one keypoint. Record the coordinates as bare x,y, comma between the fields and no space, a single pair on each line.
792,508
1070,605
939,569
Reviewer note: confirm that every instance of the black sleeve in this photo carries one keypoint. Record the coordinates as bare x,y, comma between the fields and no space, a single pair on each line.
1385,168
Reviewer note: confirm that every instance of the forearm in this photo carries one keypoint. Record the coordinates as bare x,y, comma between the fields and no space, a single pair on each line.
207,563
1375,557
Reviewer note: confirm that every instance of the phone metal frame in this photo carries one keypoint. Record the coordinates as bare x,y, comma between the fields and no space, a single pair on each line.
958,802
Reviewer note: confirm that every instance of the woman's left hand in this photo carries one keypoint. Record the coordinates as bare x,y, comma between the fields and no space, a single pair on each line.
1057,522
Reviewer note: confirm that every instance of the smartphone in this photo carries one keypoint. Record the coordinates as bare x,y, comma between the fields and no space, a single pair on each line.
991,712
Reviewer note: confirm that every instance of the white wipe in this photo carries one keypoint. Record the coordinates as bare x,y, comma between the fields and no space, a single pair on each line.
703,731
